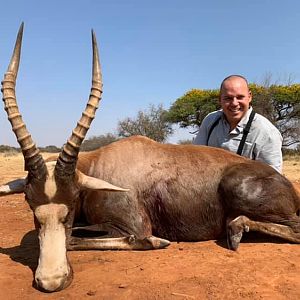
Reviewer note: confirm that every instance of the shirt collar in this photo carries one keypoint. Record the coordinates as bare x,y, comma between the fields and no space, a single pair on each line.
242,124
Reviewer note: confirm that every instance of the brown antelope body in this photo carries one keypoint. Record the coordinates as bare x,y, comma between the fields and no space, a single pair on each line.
169,192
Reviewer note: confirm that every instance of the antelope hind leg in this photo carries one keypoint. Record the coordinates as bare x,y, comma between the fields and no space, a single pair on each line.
241,224
234,230
121,243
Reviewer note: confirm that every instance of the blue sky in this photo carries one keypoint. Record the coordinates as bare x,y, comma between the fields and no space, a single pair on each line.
151,52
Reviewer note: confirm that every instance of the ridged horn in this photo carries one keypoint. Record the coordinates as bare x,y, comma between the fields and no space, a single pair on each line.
34,162
66,162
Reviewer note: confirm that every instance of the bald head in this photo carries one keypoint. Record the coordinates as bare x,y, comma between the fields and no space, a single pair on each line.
235,98
233,77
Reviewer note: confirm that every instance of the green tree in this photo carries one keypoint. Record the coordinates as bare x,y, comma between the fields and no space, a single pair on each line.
95,142
6,149
151,123
281,105
192,107
50,149
185,142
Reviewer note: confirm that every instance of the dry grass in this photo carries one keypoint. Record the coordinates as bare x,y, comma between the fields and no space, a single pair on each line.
291,168
12,165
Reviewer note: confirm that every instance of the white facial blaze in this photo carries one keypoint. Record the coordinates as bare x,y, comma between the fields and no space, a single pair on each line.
50,184
53,268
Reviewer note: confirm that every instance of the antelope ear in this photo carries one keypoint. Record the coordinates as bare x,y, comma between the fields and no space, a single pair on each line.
93,183
13,187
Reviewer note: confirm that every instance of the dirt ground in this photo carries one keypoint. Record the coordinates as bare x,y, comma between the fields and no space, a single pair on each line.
262,268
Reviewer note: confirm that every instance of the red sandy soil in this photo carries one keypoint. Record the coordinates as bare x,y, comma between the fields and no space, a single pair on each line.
262,268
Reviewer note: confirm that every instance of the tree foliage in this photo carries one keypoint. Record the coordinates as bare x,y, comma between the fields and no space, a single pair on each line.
279,103
6,148
191,108
95,142
50,149
185,142
151,123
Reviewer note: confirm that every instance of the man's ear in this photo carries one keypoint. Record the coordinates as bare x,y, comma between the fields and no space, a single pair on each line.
13,187
250,96
88,182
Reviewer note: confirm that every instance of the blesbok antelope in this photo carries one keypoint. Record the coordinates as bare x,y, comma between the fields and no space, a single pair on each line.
169,192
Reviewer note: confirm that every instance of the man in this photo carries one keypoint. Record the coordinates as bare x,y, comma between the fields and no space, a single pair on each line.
228,127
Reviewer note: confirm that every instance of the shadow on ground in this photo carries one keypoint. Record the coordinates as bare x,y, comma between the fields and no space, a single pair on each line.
27,252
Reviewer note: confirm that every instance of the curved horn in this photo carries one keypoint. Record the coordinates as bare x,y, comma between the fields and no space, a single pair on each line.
34,162
66,162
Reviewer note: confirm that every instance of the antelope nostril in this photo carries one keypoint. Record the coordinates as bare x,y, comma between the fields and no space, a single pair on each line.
51,283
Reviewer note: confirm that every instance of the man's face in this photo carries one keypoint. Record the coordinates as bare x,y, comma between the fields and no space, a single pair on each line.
235,99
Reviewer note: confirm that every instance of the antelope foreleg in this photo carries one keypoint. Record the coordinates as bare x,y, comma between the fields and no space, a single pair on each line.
121,243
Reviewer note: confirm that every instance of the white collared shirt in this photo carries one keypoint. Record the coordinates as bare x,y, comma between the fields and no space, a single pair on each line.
263,142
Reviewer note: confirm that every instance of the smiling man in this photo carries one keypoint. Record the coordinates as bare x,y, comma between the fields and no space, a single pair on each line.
237,128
